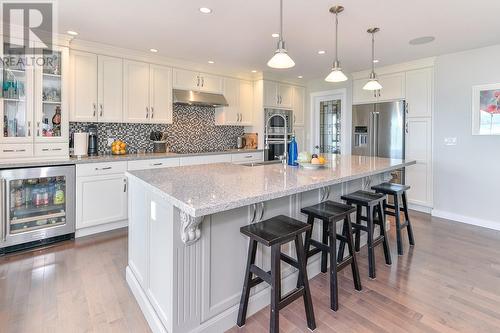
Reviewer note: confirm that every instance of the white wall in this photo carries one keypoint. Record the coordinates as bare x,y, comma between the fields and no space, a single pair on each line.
318,85
466,176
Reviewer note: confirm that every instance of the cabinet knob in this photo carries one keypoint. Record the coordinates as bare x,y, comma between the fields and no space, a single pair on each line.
95,109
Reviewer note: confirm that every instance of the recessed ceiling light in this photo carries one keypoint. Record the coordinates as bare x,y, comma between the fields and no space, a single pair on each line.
153,50
205,10
375,61
254,71
211,62
300,76
275,35
422,40
72,33
321,52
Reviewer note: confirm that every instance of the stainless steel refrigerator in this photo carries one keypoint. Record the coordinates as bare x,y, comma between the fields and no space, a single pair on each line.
379,130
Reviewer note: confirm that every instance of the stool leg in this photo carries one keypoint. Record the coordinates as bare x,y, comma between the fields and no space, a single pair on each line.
407,217
311,322
307,244
242,313
354,263
324,254
334,290
358,231
275,288
371,250
398,224
387,249
340,255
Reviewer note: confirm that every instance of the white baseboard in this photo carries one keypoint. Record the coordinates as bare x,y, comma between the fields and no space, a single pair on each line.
420,208
100,228
466,219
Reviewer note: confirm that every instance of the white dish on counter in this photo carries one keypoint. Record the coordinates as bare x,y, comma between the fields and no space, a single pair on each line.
311,166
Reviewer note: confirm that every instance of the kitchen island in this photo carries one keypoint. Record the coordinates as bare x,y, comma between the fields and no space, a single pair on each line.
186,254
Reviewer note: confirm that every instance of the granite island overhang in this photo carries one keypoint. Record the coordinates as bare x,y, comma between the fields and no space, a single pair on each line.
186,256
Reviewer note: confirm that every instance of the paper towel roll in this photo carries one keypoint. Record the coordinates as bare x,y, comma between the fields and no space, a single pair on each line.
80,143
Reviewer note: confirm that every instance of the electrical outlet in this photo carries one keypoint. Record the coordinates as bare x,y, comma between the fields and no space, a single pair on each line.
110,141
450,141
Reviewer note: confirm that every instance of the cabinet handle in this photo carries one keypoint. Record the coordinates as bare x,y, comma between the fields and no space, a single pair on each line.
152,112
407,107
198,84
105,168
379,93
124,185
94,108
202,81
248,156
8,150
147,112
406,127
53,149
239,117
29,128
156,164
294,119
100,106
37,128
375,94
262,209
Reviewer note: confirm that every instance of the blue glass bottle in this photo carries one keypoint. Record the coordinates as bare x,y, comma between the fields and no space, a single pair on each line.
293,152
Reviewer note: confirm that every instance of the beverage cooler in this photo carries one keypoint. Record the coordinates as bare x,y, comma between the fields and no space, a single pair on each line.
37,206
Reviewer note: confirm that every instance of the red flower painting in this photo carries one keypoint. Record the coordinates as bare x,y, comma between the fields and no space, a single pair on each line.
490,103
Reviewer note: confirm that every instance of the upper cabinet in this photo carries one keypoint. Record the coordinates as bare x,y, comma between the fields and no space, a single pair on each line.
188,80
299,94
278,95
148,93
239,96
419,92
97,87
393,88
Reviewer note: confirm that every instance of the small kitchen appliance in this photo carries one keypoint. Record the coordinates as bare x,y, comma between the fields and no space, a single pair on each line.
240,142
92,147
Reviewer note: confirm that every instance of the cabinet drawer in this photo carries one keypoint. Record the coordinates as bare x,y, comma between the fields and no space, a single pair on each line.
16,150
95,169
153,164
205,159
247,157
51,149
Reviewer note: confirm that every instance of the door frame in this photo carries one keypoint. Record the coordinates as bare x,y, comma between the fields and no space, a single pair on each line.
321,96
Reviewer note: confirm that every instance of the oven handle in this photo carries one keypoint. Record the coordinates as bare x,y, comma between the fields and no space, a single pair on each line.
3,209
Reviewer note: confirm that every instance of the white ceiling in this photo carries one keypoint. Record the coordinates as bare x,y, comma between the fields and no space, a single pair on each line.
237,35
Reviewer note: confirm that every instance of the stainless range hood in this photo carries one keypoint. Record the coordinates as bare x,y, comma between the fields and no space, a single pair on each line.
189,97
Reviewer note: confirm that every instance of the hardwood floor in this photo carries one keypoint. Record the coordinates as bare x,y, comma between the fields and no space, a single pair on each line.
450,282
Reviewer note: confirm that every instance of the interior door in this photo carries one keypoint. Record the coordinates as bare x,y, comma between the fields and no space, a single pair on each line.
110,93
136,92
84,86
389,129
161,94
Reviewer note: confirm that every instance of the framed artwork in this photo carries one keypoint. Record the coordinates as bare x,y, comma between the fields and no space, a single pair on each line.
486,109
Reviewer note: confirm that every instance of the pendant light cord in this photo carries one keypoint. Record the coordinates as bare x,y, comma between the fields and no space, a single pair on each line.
336,37
281,20
373,52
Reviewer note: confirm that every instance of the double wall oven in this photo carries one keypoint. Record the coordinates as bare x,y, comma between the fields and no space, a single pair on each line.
278,127
36,206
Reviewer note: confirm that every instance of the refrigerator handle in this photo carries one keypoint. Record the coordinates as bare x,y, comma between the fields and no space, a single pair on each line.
375,132
3,210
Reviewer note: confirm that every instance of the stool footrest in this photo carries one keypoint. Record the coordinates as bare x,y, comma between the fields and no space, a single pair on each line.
361,227
289,260
265,276
378,240
393,207
290,297
319,245
344,263
313,252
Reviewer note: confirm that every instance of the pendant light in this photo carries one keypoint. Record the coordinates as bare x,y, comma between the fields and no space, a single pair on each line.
373,83
281,59
336,75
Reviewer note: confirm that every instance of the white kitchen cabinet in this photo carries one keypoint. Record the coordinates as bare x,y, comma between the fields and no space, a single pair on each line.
205,159
189,80
419,85
361,96
419,148
393,88
299,94
101,194
83,102
247,157
239,96
136,91
278,95
160,97
153,163
109,89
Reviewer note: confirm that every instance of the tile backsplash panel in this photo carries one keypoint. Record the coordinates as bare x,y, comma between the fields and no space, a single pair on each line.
193,130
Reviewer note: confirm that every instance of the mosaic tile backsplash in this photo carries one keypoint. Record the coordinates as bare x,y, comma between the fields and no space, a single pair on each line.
193,130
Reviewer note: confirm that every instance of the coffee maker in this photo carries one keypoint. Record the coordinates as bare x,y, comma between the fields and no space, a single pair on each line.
92,147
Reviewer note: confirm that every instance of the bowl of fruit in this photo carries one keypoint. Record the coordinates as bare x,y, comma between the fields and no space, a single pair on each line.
311,161
118,147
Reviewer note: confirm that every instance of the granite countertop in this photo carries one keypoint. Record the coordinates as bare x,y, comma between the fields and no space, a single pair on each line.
26,163
207,189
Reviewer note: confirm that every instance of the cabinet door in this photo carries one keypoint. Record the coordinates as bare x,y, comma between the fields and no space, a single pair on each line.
110,89
299,94
419,92
299,137
361,96
186,80
246,103
84,86
100,199
205,159
286,96
160,94
418,147
211,83
136,92
270,94
229,115
393,87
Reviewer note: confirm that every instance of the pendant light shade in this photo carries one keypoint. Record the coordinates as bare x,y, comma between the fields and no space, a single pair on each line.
281,59
336,74
373,83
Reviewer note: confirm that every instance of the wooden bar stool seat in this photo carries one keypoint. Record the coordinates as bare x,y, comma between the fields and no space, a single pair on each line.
373,204
273,233
330,213
397,191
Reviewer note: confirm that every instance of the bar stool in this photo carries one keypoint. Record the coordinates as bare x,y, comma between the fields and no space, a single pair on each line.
373,205
396,191
273,233
330,213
